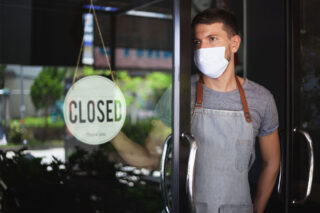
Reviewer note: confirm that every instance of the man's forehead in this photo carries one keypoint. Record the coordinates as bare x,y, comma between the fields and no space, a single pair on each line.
214,28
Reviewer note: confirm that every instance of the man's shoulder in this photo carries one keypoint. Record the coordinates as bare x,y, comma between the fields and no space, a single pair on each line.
263,108
255,90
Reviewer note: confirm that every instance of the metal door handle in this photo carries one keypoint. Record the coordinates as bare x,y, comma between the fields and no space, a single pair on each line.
191,167
279,185
280,177
311,166
163,175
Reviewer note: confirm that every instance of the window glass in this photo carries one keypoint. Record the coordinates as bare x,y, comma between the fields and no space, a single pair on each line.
42,165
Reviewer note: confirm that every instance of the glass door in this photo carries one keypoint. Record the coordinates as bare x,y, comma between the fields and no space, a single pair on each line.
43,167
261,62
304,167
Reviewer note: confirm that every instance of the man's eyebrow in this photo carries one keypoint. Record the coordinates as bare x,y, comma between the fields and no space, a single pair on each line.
213,34
208,36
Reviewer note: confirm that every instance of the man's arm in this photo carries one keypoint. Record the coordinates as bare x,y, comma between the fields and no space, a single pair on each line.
270,151
147,156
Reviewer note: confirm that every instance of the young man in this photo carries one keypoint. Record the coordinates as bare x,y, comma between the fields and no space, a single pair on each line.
229,112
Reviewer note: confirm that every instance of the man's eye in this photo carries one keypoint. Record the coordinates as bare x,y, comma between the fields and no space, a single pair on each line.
212,39
196,42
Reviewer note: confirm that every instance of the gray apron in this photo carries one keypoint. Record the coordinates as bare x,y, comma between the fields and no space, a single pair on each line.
225,154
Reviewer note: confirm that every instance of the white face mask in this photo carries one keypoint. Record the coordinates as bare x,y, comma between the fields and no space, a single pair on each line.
211,61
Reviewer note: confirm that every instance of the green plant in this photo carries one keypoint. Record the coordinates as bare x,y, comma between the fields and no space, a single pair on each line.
15,134
91,71
86,183
139,91
47,88
40,122
139,131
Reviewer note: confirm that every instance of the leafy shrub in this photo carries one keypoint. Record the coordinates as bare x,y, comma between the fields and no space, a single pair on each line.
15,134
41,122
139,131
86,183
47,88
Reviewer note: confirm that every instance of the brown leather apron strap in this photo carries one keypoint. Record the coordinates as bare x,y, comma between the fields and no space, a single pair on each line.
244,101
199,92
242,95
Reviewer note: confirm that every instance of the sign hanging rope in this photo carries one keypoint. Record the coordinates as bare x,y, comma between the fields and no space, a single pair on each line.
102,41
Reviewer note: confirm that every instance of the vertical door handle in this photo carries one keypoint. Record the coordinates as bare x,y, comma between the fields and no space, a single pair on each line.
280,178
279,189
311,166
279,186
191,168
163,174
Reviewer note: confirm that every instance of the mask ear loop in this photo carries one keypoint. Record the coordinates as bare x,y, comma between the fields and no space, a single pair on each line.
104,47
229,59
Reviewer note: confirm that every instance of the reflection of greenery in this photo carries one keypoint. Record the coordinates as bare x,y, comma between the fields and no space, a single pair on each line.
90,71
35,144
139,91
87,183
47,88
40,122
33,129
86,71
137,132
15,134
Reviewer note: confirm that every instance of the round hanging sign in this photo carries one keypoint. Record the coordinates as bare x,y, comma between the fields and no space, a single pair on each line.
94,110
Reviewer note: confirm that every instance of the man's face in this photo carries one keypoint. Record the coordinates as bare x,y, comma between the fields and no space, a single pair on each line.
215,35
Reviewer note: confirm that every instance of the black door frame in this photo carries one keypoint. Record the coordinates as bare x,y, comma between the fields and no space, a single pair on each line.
292,76
181,101
289,98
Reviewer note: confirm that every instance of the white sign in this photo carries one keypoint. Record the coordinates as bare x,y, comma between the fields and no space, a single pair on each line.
94,110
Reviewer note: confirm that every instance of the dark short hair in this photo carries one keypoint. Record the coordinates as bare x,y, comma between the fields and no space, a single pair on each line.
215,15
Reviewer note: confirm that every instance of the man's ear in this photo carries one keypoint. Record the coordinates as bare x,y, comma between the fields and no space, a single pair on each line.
235,43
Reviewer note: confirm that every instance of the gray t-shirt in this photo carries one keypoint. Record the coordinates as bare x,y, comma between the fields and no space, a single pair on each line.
261,105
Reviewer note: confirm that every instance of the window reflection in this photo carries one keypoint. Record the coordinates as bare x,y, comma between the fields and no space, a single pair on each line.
42,166
37,138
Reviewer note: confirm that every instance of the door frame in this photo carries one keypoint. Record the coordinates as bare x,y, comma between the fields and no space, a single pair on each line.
181,101
292,74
